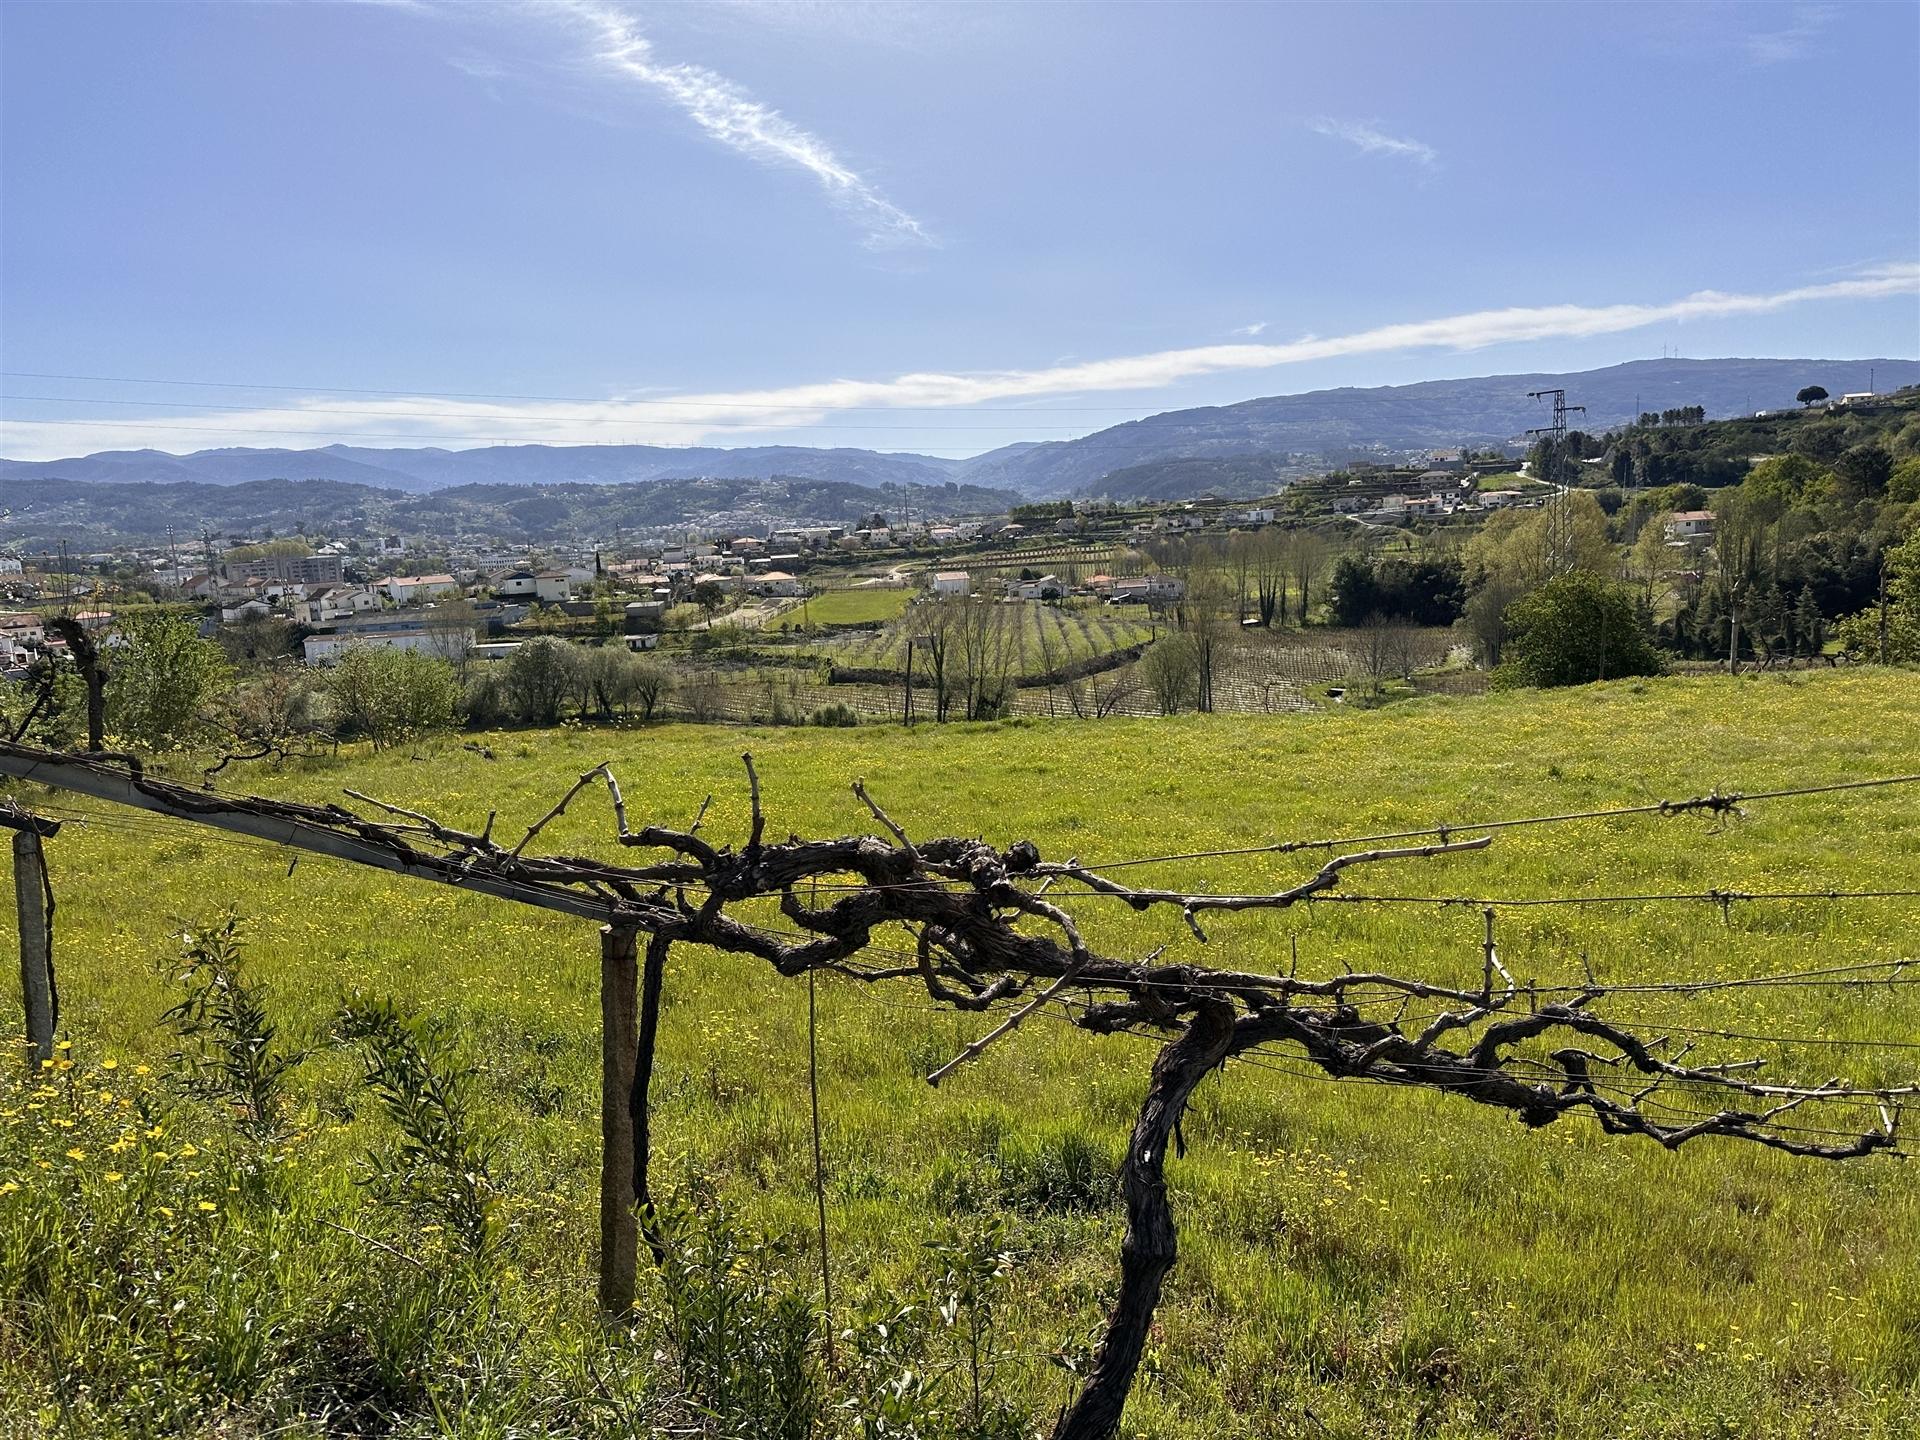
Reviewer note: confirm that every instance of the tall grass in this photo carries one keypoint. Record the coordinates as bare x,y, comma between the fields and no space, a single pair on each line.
1396,1264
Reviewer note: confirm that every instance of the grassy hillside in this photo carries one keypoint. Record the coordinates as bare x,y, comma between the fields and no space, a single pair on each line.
1393,1264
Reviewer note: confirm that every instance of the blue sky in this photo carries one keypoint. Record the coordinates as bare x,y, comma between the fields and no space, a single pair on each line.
938,228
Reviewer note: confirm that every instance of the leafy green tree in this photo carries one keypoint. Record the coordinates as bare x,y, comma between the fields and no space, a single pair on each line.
1892,635
47,706
1575,630
385,694
1864,469
1904,484
1811,395
540,675
710,596
1783,481
163,681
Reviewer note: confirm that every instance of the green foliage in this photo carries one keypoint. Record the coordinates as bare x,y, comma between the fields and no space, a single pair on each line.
268,549
1057,1170
1041,512
1573,631
540,677
836,716
162,682
1784,481
1862,634
862,605
386,694
439,1171
1903,485
744,1335
47,705
1430,590
223,1017
1811,394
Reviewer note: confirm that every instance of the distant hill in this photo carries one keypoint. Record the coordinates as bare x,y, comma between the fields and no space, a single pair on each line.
427,469
1434,413
101,514
1321,423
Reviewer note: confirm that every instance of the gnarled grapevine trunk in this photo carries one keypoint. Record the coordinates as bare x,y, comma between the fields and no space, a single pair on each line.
1150,1247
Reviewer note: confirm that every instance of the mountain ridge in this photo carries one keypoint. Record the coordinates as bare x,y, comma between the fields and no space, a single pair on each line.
1334,423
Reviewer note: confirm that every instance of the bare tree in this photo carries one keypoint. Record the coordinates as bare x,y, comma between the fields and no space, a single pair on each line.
451,626
1306,560
933,626
652,683
1270,577
1376,652
986,656
1203,614
1172,672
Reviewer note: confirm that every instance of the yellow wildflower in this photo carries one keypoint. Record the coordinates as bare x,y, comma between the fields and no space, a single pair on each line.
76,1153
112,1175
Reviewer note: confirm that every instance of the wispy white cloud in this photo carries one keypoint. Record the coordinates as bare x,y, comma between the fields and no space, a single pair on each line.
1371,140
478,67
731,415
1250,330
1791,41
734,118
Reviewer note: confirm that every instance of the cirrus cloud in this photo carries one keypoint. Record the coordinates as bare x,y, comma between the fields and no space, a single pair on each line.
1371,140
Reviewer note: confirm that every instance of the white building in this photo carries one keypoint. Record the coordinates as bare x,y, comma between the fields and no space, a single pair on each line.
1047,587
23,629
327,649
514,582
337,602
952,582
775,582
1140,589
406,589
1689,525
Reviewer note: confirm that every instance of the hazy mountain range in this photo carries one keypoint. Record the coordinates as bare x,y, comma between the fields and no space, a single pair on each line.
1320,423
101,514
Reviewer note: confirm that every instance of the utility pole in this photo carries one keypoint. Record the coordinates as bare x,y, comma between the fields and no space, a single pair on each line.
1559,513
1883,610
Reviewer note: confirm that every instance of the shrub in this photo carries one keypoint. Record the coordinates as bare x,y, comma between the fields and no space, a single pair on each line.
838,714
540,675
161,681
1572,631
385,694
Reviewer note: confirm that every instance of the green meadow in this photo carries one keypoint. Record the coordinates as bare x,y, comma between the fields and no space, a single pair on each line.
1356,1261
